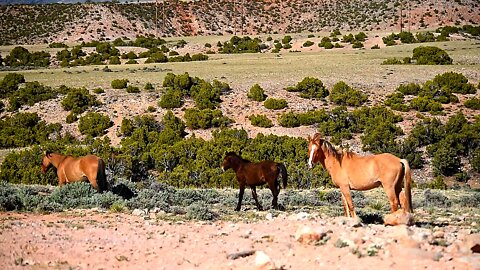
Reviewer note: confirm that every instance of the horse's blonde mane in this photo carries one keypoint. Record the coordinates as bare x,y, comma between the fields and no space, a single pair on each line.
330,149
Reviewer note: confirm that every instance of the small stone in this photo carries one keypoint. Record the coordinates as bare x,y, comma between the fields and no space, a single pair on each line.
269,216
307,235
263,262
439,234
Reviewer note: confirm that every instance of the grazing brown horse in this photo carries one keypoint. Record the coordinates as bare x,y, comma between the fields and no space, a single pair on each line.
351,171
256,174
71,169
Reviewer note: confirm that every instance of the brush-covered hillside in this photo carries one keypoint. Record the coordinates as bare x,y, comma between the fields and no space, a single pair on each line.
28,24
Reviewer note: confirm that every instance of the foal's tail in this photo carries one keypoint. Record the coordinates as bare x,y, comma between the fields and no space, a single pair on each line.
407,186
101,177
283,171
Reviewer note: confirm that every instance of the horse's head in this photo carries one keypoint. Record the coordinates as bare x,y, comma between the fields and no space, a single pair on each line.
229,160
315,152
46,163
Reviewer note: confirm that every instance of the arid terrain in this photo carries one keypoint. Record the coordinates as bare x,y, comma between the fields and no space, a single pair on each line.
88,239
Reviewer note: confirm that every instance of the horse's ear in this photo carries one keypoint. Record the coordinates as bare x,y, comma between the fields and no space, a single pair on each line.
309,138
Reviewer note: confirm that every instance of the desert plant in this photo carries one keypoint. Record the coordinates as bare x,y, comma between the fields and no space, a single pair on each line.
256,93
79,100
94,124
310,87
343,94
171,99
119,83
430,55
275,104
260,121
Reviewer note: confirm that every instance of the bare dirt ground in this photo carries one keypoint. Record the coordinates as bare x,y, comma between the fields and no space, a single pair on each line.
91,239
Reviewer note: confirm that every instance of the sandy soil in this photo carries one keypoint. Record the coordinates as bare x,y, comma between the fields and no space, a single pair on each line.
89,239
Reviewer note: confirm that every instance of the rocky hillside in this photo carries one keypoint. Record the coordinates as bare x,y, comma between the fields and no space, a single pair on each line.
28,24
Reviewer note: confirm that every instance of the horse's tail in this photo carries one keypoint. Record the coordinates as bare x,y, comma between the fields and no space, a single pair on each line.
407,186
283,171
101,177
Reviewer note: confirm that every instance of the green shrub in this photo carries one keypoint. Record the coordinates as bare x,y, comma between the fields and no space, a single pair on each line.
473,103
396,102
71,118
275,104
286,39
119,83
291,119
308,43
23,167
148,87
25,129
375,47
32,93
10,84
94,124
79,100
199,57
425,104
131,62
445,159
407,37
260,121
456,82
343,94
57,45
256,93
98,90
430,55
357,44
171,99
241,45
409,89
133,89
207,118
19,56
114,60
310,87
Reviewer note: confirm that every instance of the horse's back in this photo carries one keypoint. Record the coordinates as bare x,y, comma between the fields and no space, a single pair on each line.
260,171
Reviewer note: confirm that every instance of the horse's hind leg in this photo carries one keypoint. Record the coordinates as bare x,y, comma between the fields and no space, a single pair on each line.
392,197
254,194
275,188
240,197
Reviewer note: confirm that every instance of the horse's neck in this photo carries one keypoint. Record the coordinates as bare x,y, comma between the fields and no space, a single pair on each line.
56,159
331,163
238,163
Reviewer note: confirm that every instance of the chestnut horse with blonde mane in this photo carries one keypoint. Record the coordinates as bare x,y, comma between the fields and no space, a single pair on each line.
71,169
351,171
255,174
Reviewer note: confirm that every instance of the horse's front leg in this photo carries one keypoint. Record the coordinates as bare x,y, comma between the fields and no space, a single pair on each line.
254,195
62,180
347,202
240,197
